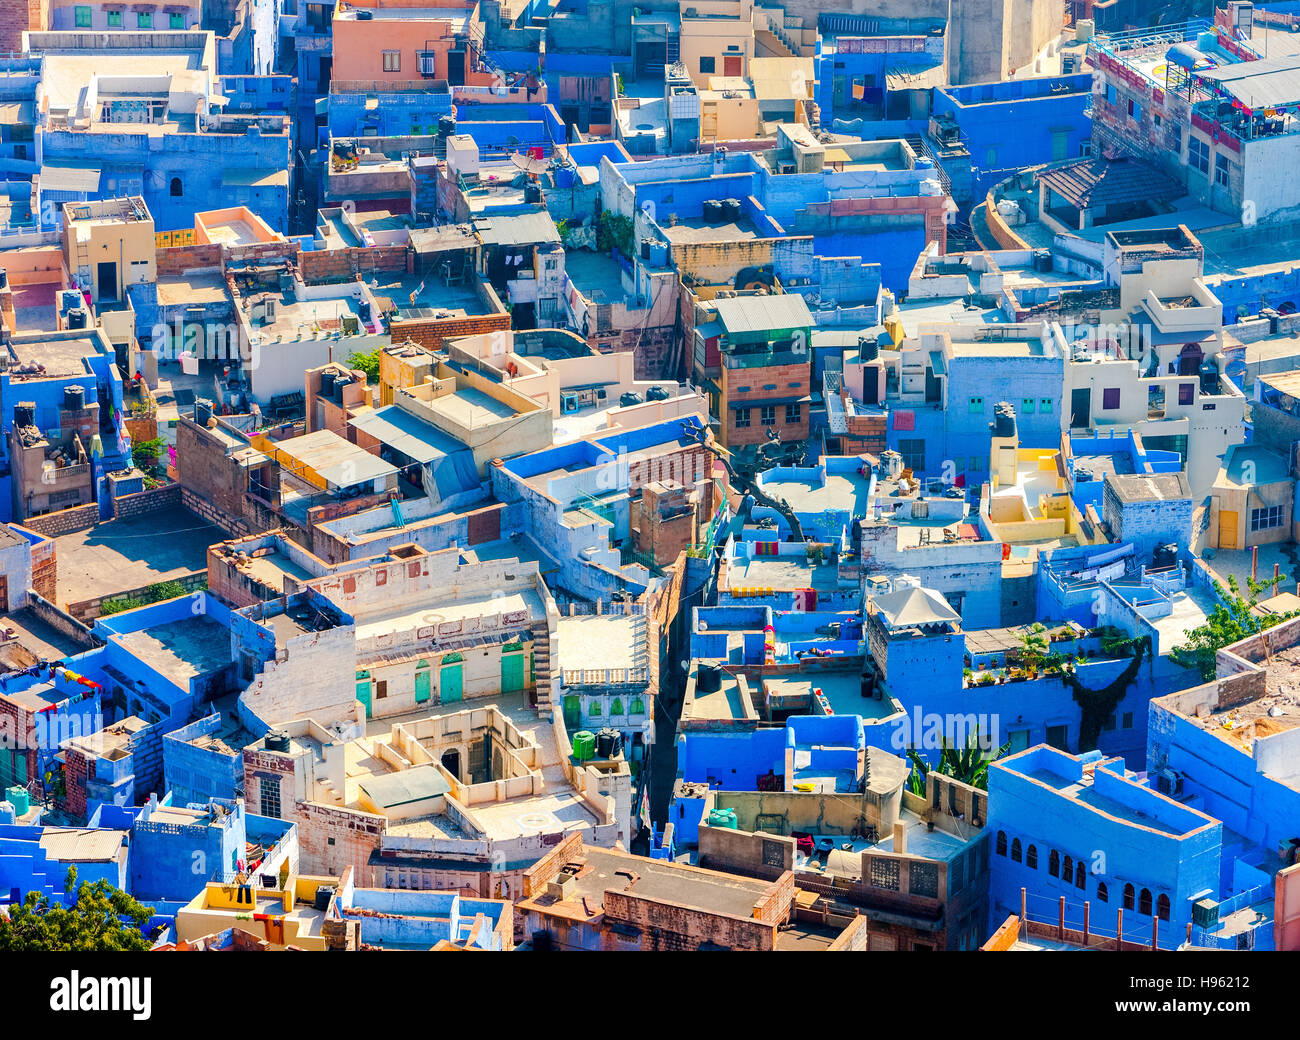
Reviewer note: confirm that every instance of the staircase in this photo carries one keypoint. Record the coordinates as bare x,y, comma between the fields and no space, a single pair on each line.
922,148
542,667
773,44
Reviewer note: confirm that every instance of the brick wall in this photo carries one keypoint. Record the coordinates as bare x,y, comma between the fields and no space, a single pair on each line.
45,570
431,332
87,610
64,521
76,769
669,926
356,836
176,260
206,511
343,265
63,623
144,502
16,723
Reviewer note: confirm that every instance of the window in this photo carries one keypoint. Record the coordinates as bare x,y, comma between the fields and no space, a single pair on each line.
1002,843
594,707
1102,893
1045,405
884,874
1128,897
742,418
1026,406
1031,857
767,415
144,21
1128,720
1110,398
381,689
1198,154
1054,864
1162,907
1266,519
177,190
1144,902
1080,876
707,65
1134,110
270,796
923,879
976,405
392,61
83,17
1067,869
1186,393
793,412
1222,167
1015,850
913,453
176,20
1109,724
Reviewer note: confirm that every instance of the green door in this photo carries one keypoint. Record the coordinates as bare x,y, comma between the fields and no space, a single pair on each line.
363,694
512,673
572,715
451,683
421,684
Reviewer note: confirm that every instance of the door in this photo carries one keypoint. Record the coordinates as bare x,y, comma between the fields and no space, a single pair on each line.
512,672
4,592
1080,407
451,683
1056,736
363,694
731,65
1228,529
572,715
422,683
107,281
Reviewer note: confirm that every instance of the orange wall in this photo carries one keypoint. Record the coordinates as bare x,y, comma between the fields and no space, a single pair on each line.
359,47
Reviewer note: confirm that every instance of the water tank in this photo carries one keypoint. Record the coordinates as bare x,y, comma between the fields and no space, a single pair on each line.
77,318
605,743
202,411
868,348
723,818
712,211
277,740
1004,420
446,126
327,383
74,398
731,210
645,249
363,309
630,398
657,393
19,799
25,414
532,193
584,745
924,162
1042,259
323,896
708,679
1083,29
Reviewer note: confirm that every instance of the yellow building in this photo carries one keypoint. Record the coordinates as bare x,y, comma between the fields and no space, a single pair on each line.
293,914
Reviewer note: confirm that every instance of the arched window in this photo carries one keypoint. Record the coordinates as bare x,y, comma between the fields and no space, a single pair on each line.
1031,857
1067,870
594,707
1015,849
176,190
1144,902
1080,875
637,707
1128,897
616,706
1102,893
1054,864
1002,843
1162,907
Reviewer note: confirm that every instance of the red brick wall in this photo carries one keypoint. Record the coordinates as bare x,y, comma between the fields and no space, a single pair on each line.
431,332
17,727
756,378
64,521
343,265
175,260
76,769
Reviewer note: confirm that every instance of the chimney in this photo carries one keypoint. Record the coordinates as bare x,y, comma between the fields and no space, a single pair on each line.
900,838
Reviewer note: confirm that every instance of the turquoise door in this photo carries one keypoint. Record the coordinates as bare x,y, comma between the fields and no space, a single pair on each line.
512,673
421,684
363,694
451,683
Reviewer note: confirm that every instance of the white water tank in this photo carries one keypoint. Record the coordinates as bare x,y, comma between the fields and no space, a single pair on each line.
1083,29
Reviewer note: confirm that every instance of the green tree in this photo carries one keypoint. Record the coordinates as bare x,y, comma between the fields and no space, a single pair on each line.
970,764
1228,622
102,919
145,454
367,363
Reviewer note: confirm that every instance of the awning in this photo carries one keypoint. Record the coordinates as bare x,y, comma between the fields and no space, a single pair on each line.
322,106
451,464
243,178
70,177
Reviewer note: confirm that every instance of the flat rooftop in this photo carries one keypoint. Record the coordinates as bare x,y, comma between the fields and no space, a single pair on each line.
1085,793
843,492
600,641
192,289
180,650
437,610
843,690
692,231
470,407
783,573
125,554
61,357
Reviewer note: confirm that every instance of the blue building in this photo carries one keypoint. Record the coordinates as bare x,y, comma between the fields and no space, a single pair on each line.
1083,830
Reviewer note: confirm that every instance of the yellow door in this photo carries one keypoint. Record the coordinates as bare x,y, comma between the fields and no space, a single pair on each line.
1228,529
